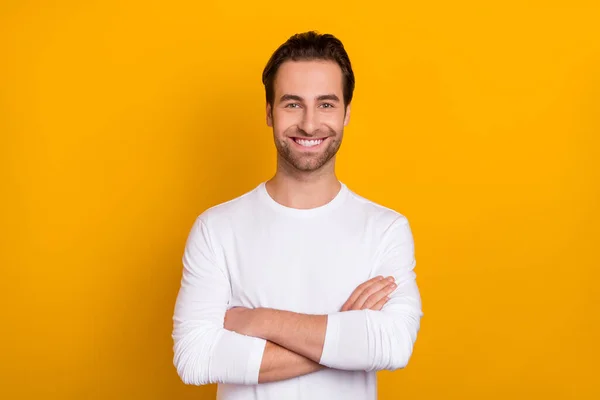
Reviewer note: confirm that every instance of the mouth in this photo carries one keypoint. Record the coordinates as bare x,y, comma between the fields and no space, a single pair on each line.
309,144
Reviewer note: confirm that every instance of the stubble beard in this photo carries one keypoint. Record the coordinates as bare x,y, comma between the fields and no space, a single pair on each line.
304,161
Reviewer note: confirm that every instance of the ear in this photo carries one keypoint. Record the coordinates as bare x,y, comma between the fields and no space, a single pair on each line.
269,115
347,115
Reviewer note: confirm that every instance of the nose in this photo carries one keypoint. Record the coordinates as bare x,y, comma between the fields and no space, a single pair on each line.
309,122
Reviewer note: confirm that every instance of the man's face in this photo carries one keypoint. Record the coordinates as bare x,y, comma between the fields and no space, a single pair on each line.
308,114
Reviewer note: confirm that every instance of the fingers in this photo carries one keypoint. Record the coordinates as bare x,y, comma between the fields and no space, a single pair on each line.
376,286
357,292
379,305
383,286
379,296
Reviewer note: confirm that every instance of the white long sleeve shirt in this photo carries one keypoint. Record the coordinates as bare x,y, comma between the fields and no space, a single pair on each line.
254,252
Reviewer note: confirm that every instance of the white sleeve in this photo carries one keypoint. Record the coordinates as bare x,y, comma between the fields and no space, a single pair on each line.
380,340
205,352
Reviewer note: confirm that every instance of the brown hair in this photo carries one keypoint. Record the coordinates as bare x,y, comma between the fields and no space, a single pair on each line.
310,46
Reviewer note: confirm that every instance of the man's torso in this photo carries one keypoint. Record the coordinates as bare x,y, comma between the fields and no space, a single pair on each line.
306,262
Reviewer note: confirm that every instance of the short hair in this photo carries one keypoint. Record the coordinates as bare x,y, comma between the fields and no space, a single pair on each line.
310,46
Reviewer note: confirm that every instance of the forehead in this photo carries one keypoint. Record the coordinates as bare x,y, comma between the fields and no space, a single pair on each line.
309,78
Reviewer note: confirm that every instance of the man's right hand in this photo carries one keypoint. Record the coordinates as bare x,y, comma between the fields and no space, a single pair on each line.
370,295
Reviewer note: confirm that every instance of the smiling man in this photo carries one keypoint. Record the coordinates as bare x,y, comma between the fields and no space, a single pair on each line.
300,288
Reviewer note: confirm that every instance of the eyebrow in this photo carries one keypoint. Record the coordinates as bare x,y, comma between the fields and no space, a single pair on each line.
290,97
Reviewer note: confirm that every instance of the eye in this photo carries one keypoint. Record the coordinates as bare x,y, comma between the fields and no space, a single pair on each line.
327,105
292,105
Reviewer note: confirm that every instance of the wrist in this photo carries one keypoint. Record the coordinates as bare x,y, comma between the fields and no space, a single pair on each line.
268,323
259,323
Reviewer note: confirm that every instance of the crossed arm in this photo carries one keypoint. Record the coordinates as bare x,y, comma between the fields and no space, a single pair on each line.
295,341
243,346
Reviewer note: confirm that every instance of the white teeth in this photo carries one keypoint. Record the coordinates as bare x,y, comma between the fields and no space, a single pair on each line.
309,143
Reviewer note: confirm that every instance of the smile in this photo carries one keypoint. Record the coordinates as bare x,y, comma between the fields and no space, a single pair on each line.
308,143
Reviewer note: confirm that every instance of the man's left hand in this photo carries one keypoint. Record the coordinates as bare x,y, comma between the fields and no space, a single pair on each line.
241,320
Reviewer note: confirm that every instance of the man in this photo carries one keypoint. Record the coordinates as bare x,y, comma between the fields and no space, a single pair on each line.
300,288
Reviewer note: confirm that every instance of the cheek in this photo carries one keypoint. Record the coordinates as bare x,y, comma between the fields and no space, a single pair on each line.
283,121
335,121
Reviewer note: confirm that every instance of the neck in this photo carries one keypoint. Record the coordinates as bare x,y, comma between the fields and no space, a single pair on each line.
304,190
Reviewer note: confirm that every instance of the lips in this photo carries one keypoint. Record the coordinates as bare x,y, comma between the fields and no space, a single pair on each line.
309,143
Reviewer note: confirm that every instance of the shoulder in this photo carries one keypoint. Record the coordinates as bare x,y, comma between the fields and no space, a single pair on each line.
388,229
378,215
223,213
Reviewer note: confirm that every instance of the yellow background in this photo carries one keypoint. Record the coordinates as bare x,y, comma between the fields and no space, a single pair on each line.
122,121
